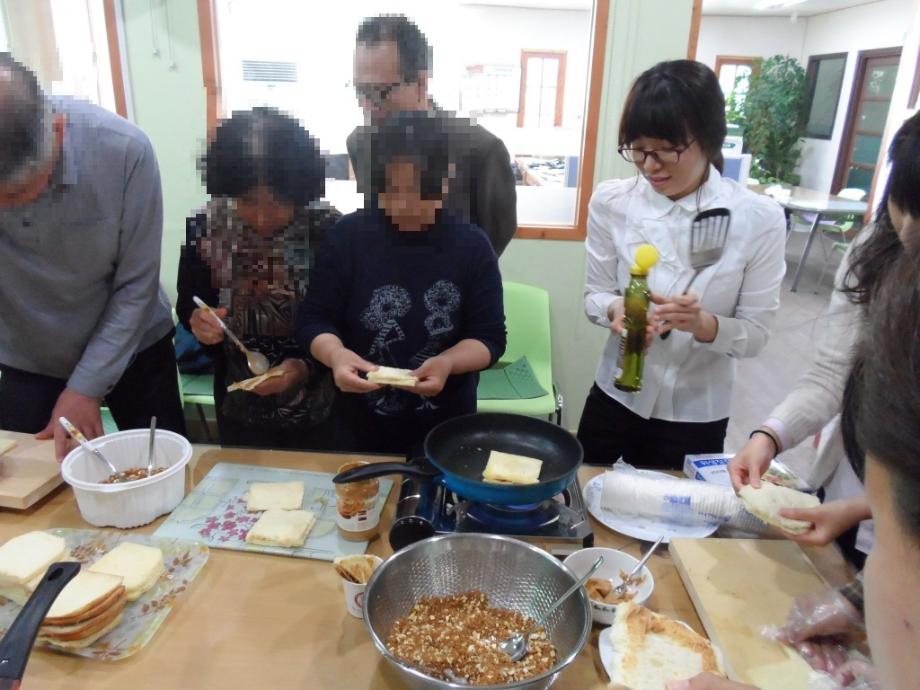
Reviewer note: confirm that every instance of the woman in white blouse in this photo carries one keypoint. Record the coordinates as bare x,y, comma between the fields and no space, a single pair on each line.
672,129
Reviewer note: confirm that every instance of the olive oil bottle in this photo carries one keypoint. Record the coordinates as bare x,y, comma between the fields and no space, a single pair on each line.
632,340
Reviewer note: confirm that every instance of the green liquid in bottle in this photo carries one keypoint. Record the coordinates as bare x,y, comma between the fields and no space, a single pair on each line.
636,303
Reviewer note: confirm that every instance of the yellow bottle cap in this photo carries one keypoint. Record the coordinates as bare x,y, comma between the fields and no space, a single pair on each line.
646,257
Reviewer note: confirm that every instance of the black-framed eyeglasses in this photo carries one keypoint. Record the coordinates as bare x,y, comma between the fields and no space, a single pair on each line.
662,156
376,93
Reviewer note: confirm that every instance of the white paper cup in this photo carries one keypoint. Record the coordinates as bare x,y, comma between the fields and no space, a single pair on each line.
354,593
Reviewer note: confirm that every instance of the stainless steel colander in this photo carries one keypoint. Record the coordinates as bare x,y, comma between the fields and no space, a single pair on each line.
514,575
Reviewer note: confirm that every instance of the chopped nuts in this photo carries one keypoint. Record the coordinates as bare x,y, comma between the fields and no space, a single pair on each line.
461,633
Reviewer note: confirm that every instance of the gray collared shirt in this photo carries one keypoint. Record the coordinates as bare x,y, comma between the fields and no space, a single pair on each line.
80,265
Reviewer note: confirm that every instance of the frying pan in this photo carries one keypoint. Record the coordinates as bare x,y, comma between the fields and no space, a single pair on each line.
459,449
16,645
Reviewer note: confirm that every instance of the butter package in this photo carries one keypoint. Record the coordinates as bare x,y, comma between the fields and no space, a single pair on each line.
713,468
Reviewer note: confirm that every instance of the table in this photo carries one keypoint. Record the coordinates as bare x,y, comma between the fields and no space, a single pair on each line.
820,204
258,621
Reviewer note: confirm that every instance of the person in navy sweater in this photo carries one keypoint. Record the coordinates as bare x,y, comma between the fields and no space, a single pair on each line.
403,283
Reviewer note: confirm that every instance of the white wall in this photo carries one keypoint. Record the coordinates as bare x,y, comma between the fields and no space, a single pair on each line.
879,25
4,42
749,37
324,97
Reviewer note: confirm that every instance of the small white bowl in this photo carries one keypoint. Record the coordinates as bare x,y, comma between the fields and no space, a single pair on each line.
614,562
128,504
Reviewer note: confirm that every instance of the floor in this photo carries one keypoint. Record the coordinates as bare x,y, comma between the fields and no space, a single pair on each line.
763,381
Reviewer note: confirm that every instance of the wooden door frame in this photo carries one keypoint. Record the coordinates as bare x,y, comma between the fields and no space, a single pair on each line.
696,16
559,55
210,62
110,12
862,59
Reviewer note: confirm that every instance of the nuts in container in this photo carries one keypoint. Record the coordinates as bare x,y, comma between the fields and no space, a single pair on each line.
132,475
457,636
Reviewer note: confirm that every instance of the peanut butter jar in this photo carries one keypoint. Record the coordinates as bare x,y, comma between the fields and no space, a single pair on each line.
356,514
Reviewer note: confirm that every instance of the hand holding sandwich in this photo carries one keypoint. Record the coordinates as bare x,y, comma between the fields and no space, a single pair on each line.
466,356
295,373
347,366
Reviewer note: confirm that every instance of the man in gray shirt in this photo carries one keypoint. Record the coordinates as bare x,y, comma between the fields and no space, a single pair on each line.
82,317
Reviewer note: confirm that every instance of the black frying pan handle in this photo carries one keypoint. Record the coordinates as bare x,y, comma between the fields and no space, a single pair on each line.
16,645
380,469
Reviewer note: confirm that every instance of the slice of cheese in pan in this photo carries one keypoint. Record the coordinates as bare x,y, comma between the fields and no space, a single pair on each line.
506,468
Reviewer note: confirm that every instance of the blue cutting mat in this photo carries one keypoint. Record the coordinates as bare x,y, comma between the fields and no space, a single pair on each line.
215,512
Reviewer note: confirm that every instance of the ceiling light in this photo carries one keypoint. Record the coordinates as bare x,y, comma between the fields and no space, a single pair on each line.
776,4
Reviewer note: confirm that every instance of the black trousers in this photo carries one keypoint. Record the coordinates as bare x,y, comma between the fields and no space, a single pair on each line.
149,386
608,431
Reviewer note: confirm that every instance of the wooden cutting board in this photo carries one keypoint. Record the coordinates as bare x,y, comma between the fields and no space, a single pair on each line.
740,585
28,472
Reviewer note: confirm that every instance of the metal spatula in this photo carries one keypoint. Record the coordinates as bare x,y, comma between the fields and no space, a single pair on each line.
708,233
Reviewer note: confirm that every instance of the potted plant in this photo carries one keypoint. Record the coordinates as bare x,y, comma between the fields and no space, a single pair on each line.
773,118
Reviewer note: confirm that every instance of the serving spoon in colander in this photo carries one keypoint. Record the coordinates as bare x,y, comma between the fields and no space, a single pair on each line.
516,646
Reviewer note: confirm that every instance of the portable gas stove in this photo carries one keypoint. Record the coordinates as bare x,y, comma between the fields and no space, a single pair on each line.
559,525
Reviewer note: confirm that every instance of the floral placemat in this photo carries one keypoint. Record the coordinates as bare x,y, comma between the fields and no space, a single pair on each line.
214,512
141,618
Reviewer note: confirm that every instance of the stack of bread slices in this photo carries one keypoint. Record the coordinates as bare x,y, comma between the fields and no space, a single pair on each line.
24,560
92,604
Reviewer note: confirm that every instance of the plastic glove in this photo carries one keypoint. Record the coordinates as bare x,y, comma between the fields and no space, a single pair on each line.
819,627
822,614
858,675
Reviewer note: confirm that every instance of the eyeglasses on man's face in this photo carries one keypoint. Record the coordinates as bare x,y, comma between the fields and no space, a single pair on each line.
668,156
376,94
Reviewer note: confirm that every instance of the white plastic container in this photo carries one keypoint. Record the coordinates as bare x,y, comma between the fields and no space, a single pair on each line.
128,504
614,562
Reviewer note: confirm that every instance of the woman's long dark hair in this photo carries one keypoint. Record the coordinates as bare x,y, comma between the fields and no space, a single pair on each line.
872,258
881,403
679,101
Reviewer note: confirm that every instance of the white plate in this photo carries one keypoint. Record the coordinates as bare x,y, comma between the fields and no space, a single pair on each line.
647,529
605,647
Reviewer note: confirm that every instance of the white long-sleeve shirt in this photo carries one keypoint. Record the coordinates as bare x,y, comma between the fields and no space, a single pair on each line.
686,380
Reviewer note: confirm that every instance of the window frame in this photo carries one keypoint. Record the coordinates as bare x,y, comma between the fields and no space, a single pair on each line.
577,231
811,79
560,57
751,61
113,37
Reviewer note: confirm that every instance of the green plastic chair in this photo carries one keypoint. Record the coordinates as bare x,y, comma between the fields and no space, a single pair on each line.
527,321
198,390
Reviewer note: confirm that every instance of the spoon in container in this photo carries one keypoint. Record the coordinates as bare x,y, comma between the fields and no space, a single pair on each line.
153,431
256,361
516,645
81,439
621,588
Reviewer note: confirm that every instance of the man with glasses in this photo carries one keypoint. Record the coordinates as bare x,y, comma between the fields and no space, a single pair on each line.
392,67
82,317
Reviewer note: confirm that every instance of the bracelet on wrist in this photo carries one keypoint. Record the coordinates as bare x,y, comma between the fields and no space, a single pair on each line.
769,436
